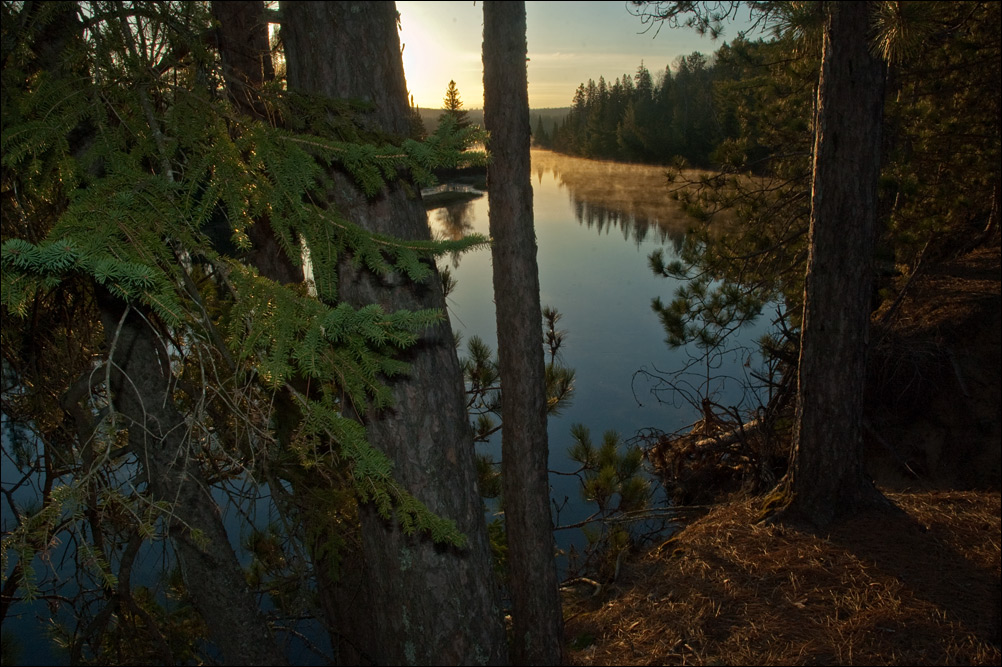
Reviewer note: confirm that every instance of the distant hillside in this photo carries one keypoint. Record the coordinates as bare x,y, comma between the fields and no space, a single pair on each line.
550,117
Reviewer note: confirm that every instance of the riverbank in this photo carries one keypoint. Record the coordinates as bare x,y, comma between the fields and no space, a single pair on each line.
882,589
915,589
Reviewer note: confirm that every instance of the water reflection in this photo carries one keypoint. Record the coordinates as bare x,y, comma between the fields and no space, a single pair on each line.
596,224
604,196
609,195
452,222
637,228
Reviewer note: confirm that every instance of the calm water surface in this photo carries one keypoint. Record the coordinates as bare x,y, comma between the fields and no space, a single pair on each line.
593,268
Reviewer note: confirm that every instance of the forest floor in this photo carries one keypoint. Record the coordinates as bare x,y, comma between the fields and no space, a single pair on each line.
917,588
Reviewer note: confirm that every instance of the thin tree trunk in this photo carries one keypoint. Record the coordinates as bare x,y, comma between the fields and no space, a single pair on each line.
427,604
536,612
827,473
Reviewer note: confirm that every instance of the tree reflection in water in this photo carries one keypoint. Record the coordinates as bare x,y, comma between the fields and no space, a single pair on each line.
453,222
605,195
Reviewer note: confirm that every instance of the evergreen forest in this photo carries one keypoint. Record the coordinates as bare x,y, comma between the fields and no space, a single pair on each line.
644,117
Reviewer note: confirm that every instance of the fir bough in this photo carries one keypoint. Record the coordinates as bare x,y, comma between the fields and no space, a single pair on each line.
131,174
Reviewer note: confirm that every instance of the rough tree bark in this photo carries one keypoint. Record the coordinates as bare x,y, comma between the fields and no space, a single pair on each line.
826,476
244,49
429,604
532,578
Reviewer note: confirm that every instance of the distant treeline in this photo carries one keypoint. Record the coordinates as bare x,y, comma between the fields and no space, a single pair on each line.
682,111
550,117
430,117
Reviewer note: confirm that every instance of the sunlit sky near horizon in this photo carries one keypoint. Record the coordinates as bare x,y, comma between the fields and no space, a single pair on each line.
568,42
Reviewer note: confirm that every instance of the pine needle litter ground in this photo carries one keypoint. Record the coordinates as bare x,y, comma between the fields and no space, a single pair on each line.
919,588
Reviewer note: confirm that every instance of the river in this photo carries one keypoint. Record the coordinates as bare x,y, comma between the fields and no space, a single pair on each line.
596,224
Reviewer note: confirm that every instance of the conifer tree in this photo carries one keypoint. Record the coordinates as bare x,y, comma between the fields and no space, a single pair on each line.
417,129
540,137
453,105
826,478
137,377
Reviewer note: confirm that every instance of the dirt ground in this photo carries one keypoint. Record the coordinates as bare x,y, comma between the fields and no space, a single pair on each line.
920,587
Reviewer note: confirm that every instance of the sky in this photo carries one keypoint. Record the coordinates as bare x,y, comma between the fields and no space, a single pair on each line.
569,43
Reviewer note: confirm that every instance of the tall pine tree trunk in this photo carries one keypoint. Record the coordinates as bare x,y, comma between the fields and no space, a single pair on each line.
827,477
536,613
426,603
244,49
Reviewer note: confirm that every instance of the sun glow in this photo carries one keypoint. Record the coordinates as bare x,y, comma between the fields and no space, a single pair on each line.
434,55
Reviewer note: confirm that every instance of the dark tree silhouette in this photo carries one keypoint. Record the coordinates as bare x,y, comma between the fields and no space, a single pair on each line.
453,106
826,477
536,612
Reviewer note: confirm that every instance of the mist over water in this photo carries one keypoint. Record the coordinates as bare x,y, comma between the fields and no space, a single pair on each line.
596,224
